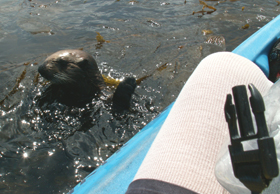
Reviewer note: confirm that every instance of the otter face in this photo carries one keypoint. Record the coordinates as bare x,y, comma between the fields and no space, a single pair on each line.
68,67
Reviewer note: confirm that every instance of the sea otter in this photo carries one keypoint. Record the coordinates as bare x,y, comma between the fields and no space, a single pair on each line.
75,80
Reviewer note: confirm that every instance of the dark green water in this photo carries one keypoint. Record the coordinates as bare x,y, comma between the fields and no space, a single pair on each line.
48,149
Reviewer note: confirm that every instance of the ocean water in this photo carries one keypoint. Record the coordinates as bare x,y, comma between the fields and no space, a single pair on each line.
50,148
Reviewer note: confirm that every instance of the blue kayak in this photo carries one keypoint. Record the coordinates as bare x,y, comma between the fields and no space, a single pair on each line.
115,175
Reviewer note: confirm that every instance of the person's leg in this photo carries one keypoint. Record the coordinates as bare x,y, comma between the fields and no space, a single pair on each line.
184,152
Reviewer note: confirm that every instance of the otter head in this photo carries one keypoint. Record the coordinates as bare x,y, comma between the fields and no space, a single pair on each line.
72,68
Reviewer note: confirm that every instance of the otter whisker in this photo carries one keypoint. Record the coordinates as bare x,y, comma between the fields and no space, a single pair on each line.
67,78
62,78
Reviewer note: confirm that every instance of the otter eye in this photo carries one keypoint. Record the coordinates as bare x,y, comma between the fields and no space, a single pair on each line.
82,64
62,64
72,66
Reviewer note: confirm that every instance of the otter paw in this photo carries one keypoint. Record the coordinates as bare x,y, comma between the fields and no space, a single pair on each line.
123,94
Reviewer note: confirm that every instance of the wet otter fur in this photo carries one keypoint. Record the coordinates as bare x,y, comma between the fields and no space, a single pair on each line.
75,80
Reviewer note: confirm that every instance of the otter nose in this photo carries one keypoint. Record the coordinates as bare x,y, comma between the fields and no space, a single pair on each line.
43,70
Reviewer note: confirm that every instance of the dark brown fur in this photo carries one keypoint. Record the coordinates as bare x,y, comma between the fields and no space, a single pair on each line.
74,67
74,75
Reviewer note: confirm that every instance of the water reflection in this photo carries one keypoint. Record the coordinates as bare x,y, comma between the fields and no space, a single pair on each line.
25,155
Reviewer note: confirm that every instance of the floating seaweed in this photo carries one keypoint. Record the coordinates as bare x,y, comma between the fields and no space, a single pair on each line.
205,6
205,32
245,26
111,81
36,78
100,38
100,41
19,79
157,47
16,86
180,47
202,12
160,68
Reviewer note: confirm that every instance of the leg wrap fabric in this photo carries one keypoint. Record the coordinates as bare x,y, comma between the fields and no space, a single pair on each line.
184,151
